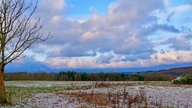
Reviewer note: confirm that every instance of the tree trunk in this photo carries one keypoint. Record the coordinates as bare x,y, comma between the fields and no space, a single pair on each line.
2,89
2,69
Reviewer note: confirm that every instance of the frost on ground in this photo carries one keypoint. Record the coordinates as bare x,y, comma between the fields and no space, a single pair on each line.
46,83
51,100
177,97
171,96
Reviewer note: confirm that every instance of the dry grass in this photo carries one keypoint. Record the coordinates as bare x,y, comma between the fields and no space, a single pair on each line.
118,99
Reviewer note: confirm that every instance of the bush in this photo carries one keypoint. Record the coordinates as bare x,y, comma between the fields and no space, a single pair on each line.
184,79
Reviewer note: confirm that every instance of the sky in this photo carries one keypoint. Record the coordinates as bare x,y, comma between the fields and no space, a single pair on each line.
110,35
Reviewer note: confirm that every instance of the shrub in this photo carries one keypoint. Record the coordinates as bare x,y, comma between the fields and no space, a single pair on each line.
184,79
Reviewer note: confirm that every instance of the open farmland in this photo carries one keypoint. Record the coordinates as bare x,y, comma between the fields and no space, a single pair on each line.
57,94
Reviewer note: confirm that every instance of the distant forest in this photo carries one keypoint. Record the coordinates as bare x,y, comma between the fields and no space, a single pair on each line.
161,75
74,76
83,76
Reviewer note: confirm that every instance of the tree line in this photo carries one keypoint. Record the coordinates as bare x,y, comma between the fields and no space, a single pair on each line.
84,76
101,76
74,76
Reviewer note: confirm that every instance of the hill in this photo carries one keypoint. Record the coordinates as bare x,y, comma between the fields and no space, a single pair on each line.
166,74
173,71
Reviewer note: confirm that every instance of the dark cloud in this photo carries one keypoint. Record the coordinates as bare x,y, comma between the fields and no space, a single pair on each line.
164,27
170,28
104,59
169,17
182,43
27,64
142,54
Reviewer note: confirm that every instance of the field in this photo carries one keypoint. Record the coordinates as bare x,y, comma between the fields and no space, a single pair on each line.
57,94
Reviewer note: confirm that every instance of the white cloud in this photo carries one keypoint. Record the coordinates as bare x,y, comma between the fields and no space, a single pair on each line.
52,5
51,11
91,35
172,57
56,19
181,8
71,62
166,2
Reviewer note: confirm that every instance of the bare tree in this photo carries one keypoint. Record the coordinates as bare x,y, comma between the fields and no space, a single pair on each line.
18,31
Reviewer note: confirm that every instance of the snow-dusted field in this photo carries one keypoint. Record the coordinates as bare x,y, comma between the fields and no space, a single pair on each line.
47,83
111,94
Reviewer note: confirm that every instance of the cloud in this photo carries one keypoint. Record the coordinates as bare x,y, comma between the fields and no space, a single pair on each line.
181,9
92,35
120,30
133,12
115,61
50,7
169,17
172,57
183,42
117,39
27,64
70,62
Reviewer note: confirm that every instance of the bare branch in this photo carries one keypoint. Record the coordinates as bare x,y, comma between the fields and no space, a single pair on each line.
18,31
